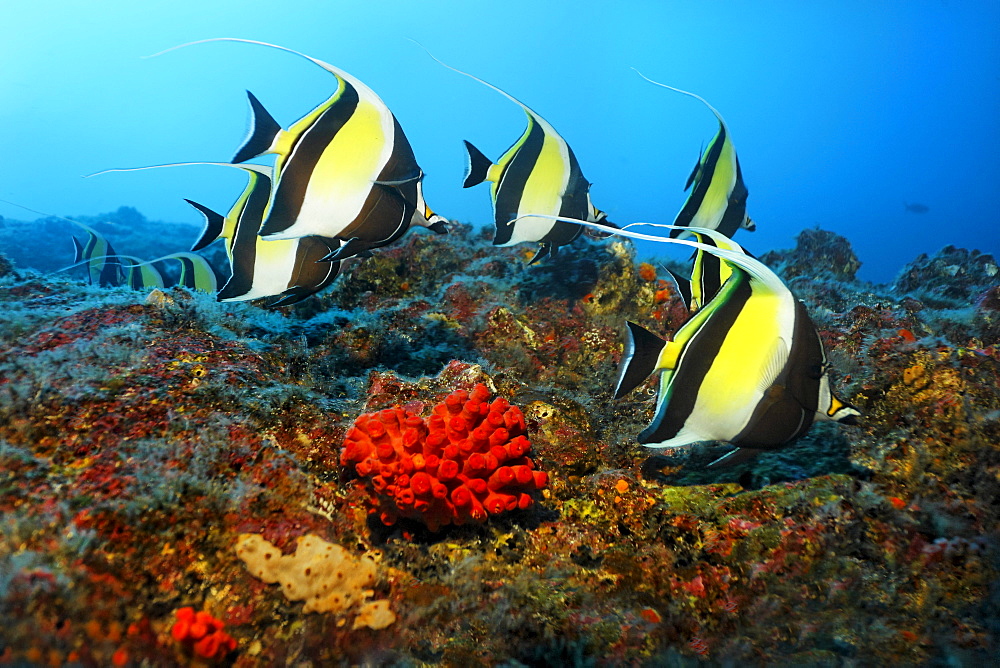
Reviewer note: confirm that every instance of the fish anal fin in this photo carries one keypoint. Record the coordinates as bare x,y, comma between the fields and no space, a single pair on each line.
351,248
264,131
478,168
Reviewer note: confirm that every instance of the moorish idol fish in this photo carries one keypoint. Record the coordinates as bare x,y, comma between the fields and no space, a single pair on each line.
718,200
538,174
196,272
140,275
345,170
708,273
103,266
289,269
747,368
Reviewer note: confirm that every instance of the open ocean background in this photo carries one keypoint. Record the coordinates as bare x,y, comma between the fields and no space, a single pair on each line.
840,111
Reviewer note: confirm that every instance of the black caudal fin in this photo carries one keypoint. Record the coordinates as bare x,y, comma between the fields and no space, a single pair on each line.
77,250
642,351
213,225
478,167
440,227
263,130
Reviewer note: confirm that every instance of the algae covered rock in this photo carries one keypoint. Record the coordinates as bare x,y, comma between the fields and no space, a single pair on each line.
817,253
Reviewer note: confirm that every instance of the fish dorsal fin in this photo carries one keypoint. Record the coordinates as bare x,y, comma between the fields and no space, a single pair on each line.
266,170
715,111
263,135
733,457
546,126
335,71
695,173
639,359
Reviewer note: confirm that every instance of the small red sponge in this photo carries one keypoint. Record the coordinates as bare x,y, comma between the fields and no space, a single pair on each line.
202,634
463,463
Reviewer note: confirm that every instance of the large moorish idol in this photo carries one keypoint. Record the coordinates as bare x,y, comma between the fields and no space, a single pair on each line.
748,367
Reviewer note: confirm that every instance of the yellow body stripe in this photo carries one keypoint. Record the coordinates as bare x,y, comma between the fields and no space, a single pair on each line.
547,183
345,172
716,200
745,357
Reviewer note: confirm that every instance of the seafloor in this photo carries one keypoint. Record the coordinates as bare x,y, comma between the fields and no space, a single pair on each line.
141,435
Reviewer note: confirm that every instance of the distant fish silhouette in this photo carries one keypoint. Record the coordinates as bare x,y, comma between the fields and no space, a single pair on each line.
916,207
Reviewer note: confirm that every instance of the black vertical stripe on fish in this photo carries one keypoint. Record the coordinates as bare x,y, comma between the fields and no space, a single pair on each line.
788,408
388,208
513,180
574,205
302,159
309,274
736,209
243,245
385,209
695,362
694,202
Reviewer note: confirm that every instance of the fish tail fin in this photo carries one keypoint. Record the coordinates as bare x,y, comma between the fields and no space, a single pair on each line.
263,132
213,225
77,251
477,169
640,359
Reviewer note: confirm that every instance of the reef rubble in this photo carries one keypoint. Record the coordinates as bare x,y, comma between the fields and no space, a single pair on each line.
142,435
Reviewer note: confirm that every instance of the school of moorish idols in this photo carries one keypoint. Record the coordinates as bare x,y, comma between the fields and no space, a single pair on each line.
436,458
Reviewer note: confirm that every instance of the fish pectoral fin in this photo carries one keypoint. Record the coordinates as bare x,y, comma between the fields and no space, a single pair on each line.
264,133
213,225
478,167
775,364
642,353
351,247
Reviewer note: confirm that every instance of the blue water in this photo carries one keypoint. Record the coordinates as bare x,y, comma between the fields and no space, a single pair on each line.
840,111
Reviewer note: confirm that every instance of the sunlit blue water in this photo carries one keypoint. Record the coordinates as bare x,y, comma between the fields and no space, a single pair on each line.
840,112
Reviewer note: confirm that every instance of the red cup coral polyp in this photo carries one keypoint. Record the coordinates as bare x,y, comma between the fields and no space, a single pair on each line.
464,462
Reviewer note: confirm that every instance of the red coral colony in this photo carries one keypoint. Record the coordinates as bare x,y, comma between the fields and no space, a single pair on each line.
463,463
